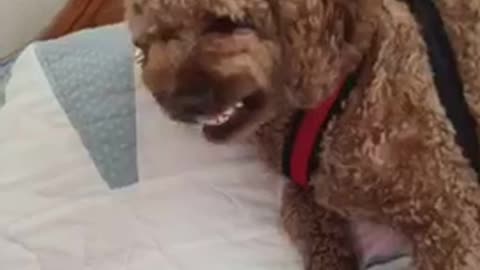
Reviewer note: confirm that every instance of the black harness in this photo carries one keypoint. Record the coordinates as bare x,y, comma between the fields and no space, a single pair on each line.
447,78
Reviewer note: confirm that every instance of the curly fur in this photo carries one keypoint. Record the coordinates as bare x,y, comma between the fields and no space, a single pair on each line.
389,158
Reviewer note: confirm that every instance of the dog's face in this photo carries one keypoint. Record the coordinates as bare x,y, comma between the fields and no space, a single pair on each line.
217,63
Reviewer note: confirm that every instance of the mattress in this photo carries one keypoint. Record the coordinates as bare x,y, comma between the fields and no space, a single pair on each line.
94,176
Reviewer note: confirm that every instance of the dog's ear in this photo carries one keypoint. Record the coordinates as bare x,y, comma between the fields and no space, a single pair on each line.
316,46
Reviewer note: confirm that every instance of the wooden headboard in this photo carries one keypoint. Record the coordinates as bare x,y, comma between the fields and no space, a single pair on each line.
81,14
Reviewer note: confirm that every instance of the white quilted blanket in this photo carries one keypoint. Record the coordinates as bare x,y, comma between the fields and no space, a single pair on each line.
92,175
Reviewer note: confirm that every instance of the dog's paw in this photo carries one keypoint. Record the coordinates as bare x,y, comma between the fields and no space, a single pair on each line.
380,247
324,259
398,263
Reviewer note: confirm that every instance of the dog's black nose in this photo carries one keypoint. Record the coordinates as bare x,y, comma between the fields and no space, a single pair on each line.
195,90
196,101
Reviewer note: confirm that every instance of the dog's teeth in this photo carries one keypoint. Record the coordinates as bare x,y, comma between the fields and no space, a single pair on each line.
229,112
209,122
222,119
239,105
218,119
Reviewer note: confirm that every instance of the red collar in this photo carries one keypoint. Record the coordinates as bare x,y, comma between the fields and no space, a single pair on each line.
300,156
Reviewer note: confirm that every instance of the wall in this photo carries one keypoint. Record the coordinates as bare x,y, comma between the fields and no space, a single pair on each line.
23,20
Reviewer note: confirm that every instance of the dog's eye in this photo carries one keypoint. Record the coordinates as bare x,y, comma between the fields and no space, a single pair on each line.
139,56
169,34
225,25
141,51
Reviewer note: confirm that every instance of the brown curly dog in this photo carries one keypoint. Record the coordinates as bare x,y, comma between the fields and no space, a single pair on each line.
375,102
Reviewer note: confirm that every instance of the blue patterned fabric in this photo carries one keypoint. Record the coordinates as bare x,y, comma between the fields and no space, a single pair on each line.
91,76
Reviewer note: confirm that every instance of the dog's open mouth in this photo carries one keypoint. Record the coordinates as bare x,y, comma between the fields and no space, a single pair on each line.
222,126
226,25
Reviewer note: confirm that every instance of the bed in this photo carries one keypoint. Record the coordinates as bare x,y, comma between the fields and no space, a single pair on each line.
93,176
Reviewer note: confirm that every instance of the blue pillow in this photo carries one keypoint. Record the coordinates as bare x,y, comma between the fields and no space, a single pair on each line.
92,78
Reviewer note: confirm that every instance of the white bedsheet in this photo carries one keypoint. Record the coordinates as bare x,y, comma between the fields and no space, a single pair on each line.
192,205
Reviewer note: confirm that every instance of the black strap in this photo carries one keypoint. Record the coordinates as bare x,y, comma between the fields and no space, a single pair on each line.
290,141
447,78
